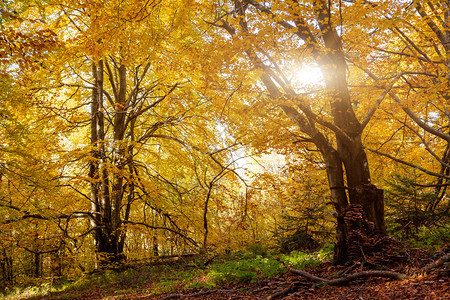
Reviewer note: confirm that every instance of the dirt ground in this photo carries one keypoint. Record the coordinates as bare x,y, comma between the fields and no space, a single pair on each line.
434,285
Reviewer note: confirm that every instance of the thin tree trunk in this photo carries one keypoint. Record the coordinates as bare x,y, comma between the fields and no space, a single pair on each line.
94,176
205,221
6,267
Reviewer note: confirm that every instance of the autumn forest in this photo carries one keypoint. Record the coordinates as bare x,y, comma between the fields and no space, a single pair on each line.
143,131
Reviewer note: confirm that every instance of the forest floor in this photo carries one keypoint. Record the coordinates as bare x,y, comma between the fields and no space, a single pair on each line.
140,285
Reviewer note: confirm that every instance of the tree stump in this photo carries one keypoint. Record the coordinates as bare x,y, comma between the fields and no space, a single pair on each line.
372,200
364,241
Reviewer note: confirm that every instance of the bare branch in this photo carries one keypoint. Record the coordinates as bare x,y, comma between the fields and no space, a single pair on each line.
378,102
427,147
141,111
408,42
410,164
168,137
418,120
193,242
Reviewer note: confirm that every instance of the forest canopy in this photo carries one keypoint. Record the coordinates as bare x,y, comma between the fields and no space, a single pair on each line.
134,129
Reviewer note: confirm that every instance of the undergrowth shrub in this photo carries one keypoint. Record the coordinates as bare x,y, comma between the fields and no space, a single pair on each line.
301,260
253,268
245,270
258,249
431,237
416,211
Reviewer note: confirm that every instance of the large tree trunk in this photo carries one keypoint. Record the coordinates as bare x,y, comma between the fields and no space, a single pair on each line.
349,145
106,199
112,160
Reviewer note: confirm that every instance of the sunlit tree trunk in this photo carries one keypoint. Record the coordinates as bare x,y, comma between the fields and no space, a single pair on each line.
350,150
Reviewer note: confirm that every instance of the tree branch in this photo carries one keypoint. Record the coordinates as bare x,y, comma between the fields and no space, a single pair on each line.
418,120
378,102
193,242
430,23
410,165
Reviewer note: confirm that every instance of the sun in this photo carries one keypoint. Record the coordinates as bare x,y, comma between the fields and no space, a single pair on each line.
306,77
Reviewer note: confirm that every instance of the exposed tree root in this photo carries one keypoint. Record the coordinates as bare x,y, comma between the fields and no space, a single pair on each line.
435,264
294,286
181,296
350,277
363,274
337,281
